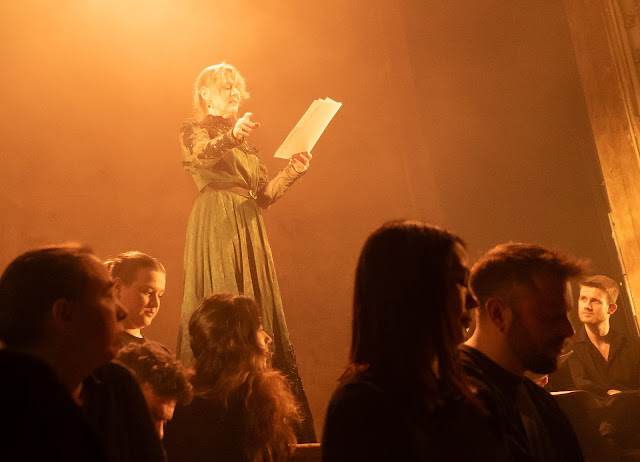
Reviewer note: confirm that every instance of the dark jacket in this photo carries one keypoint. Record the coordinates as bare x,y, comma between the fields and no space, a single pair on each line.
591,372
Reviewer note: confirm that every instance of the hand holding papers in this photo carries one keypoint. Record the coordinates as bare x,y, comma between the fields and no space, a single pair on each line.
301,161
307,131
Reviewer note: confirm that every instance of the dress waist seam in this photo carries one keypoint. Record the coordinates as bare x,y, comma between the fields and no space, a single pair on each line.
244,192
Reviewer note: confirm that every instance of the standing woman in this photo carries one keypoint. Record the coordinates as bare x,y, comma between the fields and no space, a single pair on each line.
226,248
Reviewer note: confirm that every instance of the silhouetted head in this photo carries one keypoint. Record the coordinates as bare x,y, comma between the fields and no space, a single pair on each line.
410,299
60,299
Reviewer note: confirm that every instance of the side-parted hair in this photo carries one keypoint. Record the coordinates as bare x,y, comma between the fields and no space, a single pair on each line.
604,283
229,365
126,265
211,77
402,324
152,365
511,264
32,283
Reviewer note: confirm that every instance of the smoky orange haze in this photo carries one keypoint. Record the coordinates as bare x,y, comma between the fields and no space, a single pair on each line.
464,114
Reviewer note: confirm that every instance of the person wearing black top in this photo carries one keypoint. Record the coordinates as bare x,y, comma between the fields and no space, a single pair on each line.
532,424
59,320
39,419
403,395
604,361
521,324
116,408
243,410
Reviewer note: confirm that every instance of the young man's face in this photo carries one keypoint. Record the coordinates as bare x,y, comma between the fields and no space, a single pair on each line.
160,407
540,323
141,298
593,305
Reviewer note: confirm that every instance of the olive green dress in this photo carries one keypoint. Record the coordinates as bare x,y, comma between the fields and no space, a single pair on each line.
226,248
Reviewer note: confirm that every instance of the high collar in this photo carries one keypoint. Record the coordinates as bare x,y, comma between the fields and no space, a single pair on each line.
217,120
581,335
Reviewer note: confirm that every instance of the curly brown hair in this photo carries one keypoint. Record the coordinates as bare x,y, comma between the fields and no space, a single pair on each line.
230,369
153,365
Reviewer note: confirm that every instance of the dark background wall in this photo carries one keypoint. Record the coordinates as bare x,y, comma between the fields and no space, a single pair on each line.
463,113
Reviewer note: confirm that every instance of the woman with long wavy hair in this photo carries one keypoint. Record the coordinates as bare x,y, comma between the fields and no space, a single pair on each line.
403,395
242,410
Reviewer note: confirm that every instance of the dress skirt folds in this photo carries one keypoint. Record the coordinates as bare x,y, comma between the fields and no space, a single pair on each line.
226,248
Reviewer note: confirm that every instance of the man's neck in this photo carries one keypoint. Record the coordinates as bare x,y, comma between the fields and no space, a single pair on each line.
597,333
134,332
499,354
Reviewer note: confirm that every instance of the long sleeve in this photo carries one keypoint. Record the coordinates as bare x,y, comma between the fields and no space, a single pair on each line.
201,151
271,191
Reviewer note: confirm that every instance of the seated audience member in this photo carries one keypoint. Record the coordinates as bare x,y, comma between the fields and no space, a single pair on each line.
521,324
161,378
242,410
58,322
604,361
115,406
139,285
403,395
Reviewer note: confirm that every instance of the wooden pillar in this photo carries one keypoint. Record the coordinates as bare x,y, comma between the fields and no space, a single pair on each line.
606,40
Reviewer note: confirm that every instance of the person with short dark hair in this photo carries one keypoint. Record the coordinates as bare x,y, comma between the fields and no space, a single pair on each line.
403,395
604,361
521,324
161,378
139,284
59,320
242,410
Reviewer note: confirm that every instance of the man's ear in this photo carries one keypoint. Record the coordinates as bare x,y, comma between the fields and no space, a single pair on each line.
117,287
62,311
498,312
612,308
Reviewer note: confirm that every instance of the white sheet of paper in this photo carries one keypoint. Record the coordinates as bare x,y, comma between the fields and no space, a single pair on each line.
309,128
